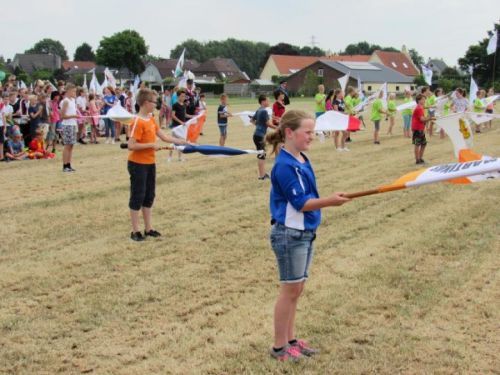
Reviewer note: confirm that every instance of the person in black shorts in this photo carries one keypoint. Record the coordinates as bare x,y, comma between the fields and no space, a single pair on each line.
262,121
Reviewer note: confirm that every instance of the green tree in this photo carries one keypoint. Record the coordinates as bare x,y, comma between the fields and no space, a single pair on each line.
477,57
311,51
194,51
365,48
21,75
84,53
419,80
123,49
46,46
246,54
417,58
43,74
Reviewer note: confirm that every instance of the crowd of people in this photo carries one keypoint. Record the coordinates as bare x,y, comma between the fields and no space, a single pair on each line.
34,121
417,121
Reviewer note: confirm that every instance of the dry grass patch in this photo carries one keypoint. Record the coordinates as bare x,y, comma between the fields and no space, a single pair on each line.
405,282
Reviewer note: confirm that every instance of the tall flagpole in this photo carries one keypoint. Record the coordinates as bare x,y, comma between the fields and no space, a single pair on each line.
494,63
494,68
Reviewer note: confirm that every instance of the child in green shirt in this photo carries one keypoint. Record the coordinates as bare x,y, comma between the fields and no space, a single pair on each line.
391,111
376,116
430,106
406,113
479,106
319,100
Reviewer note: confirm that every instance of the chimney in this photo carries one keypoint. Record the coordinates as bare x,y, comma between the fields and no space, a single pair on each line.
404,50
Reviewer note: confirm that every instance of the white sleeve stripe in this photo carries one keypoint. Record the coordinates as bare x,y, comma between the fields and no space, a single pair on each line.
133,127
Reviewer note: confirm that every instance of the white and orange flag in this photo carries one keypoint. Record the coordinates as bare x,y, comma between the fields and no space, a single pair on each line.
455,173
458,129
191,129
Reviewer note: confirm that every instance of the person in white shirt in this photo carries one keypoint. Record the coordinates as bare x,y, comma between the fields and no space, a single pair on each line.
69,117
81,105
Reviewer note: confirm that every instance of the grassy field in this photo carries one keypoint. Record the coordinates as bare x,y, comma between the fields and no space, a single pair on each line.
405,282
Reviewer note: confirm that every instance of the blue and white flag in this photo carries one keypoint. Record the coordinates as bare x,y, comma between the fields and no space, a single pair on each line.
180,64
220,151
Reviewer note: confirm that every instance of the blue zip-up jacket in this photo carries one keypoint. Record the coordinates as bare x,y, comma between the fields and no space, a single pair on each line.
293,184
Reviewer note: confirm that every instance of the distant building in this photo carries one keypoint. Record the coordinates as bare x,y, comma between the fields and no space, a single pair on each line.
222,69
437,66
287,65
372,76
399,61
29,63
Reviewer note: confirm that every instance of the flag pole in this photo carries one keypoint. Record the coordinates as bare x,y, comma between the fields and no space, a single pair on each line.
494,68
379,190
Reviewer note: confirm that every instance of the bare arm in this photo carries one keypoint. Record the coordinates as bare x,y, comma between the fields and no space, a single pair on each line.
169,139
270,124
336,199
133,145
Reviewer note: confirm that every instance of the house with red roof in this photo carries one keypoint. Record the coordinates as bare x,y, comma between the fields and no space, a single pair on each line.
398,61
286,65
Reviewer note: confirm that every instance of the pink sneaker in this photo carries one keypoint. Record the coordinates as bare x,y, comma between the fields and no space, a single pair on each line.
288,353
303,348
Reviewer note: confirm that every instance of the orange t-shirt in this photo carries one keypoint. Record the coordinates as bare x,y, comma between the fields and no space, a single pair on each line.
144,131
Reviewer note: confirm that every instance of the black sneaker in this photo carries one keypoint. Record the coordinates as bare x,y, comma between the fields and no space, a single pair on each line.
377,142
81,141
152,233
137,236
265,177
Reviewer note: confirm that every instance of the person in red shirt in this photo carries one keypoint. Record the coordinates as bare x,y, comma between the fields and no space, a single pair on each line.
278,112
278,107
418,120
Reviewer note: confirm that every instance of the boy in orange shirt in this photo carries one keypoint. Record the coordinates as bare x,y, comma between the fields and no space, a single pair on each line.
141,163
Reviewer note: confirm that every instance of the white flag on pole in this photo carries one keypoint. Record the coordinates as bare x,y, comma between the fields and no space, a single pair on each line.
360,89
343,81
109,78
427,73
94,84
492,44
472,91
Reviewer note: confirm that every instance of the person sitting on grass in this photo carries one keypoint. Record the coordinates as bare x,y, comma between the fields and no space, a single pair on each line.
15,147
141,163
37,148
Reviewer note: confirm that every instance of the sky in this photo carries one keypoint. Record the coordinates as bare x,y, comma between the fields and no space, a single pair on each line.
435,28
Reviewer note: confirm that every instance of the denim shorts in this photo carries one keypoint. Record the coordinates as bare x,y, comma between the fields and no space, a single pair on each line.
406,122
223,129
294,252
